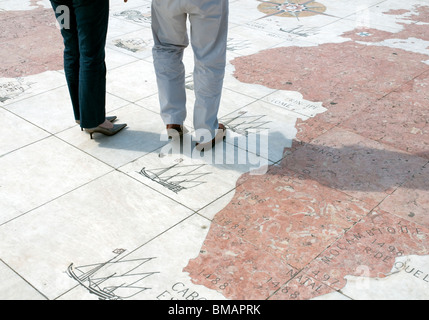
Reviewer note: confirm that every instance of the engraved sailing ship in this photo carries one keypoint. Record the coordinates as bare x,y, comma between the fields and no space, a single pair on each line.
177,177
115,279
243,123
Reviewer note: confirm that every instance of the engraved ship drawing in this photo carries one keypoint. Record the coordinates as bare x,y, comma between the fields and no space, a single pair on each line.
114,279
242,123
177,177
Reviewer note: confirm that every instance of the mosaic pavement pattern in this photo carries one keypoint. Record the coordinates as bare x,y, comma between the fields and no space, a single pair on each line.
329,201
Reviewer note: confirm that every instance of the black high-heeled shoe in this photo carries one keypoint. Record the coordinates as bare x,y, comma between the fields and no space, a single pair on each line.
107,132
110,119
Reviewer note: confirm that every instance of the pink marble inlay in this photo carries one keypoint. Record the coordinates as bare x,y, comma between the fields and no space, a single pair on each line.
372,246
351,194
347,77
401,119
275,225
411,200
30,42
363,168
237,268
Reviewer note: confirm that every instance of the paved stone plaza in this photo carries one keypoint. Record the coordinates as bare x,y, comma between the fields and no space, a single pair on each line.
320,191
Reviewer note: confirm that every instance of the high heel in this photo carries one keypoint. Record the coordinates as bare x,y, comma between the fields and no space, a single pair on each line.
107,132
110,119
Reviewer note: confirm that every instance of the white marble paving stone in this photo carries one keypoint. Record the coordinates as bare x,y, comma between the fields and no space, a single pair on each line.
186,176
378,17
293,101
141,136
333,296
274,127
119,27
120,5
133,81
252,90
17,133
331,33
113,102
217,206
44,3
171,252
115,59
16,89
83,227
411,44
13,287
252,37
243,11
399,4
140,15
150,103
137,44
41,172
348,7
12,5
408,280
53,111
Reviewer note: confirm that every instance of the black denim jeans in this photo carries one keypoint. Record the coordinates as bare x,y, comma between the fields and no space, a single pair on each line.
84,26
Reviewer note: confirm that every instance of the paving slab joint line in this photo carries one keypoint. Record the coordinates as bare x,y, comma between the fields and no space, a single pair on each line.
21,277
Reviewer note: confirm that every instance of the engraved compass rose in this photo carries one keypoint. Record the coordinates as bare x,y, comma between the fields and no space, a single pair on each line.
291,9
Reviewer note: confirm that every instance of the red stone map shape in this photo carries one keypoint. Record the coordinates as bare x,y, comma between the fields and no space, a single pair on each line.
34,40
351,195
375,242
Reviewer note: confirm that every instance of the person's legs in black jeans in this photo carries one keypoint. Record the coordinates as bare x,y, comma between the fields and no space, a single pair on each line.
84,57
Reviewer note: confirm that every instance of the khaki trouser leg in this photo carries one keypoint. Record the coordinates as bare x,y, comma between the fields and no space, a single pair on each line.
209,25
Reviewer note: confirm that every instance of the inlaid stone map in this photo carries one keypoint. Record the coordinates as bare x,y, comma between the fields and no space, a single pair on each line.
320,191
